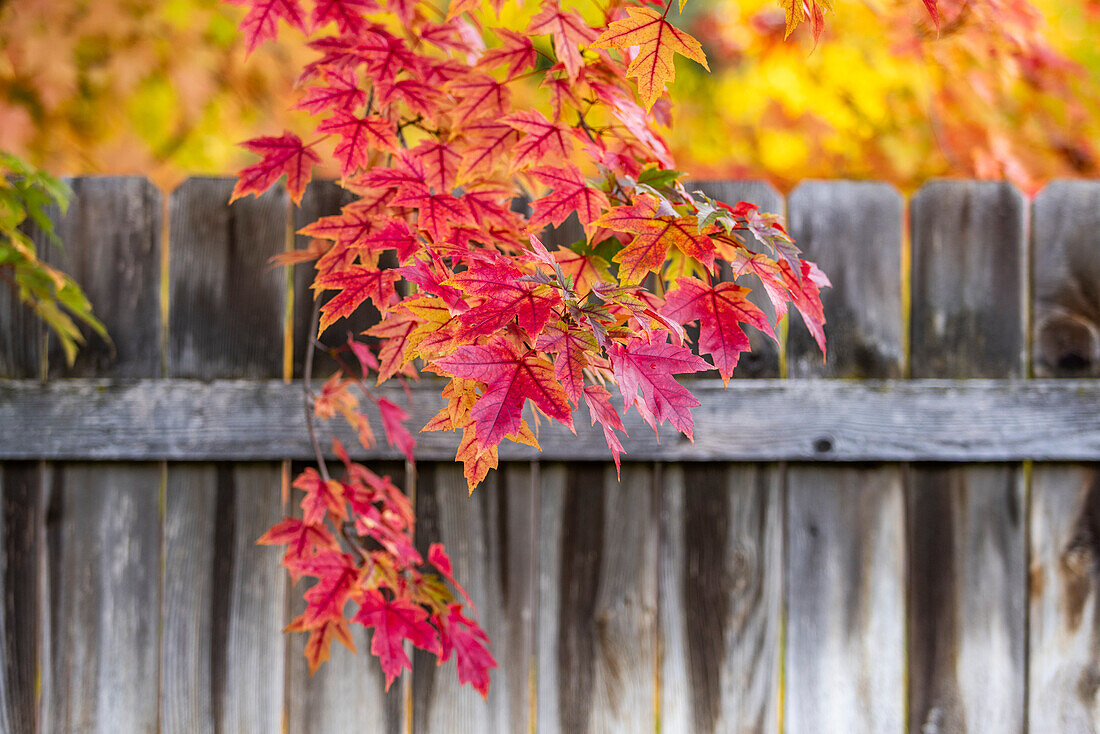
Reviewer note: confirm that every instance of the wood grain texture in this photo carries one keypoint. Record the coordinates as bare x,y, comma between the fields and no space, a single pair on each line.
226,302
763,359
967,599
597,648
720,598
845,651
852,230
1066,310
969,273
1064,619
22,539
111,235
926,420
224,606
22,337
489,538
967,562
104,585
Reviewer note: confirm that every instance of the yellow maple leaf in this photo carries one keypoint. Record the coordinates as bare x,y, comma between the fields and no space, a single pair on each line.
658,42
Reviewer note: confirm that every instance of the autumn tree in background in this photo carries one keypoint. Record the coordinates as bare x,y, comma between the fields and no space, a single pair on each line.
464,133
100,87
1000,89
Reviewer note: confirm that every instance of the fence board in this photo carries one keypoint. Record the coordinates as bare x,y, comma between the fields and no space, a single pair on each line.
226,313
720,596
845,648
1065,553
111,235
1066,336
967,562
845,662
1065,499
597,581
226,303
489,538
21,540
104,585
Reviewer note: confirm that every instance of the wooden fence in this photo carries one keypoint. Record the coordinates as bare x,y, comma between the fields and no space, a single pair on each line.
910,544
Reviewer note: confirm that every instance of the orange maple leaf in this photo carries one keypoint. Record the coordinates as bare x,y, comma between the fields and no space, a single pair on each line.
658,42
655,234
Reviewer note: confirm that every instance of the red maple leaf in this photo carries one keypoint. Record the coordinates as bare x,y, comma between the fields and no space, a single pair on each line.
517,53
807,298
543,142
358,136
720,310
436,213
437,556
600,409
394,622
347,14
572,348
650,366
568,30
470,646
570,193
336,574
340,91
321,497
259,23
393,417
512,376
286,154
355,284
505,297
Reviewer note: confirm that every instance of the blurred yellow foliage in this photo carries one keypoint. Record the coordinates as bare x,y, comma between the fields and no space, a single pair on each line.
1004,89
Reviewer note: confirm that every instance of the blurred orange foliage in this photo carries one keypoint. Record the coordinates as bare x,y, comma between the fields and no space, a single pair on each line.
1005,88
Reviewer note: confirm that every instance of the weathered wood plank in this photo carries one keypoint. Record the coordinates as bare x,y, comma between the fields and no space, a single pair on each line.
845,663
22,337
763,359
720,598
967,554
845,647
22,535
597,670
852,230
969,278
489,538
224,601
1064,639
226,303
824,420
1066,312
111,235
105,560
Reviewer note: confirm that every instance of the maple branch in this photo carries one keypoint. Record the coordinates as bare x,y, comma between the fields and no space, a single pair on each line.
307,395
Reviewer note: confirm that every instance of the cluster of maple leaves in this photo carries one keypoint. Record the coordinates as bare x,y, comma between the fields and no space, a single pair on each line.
456,183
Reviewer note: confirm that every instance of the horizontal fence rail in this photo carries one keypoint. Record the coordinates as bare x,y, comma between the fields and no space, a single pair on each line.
751,420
